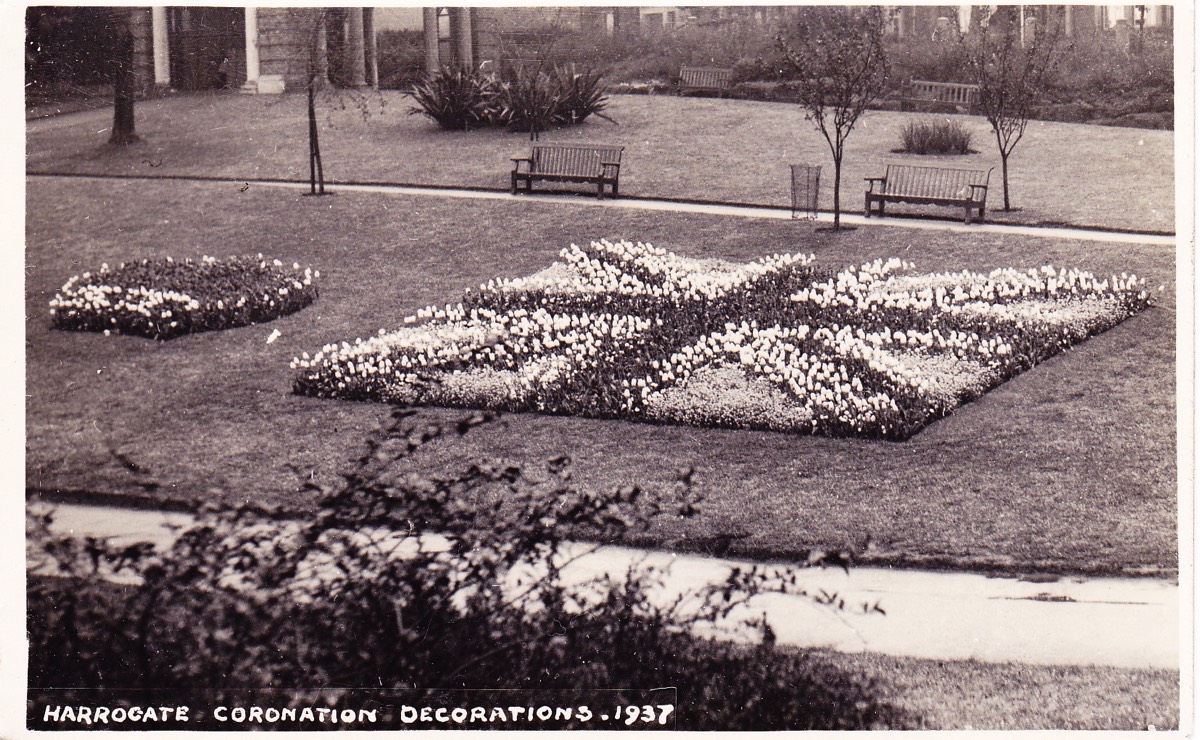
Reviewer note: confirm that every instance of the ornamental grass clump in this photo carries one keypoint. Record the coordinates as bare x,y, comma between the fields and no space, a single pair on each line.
936,137
166,298
624,330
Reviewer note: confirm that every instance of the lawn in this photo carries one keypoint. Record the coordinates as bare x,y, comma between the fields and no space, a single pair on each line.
1068,467
969,695
691,148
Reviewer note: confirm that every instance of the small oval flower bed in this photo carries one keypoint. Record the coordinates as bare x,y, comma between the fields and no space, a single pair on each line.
166,298
622,330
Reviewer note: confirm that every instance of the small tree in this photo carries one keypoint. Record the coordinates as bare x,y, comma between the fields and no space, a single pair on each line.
316,74
837,58
313,34
1012,69
123,76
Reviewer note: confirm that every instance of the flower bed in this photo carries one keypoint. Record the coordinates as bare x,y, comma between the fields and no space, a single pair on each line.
632,331
165,298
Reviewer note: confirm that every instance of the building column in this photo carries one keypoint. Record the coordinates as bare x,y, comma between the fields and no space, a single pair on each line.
460,30
162,46
252,60
372,48
356,48
432,63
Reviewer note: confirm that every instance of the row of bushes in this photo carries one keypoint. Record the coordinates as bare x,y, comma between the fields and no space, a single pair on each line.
519,98
1097,80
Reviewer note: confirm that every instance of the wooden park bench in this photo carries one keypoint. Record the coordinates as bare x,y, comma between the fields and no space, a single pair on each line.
947,186
704,79
596,163
960,96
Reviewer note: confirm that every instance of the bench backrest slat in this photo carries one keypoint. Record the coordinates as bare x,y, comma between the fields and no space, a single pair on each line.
945,92
573,161
932,182
705,77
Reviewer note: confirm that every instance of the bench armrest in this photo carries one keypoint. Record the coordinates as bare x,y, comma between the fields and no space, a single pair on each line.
517,163
871,182
607,165
980,187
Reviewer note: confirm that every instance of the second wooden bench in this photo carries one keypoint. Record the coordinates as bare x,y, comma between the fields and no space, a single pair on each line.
704,79
947,186
956,94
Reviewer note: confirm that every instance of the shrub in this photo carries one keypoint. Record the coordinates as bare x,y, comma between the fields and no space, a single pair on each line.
456,99
942,136
528,101
580,95
165,298
245,600
521,97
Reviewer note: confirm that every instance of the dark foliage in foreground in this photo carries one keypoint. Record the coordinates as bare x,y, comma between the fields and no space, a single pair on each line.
165,298
243,600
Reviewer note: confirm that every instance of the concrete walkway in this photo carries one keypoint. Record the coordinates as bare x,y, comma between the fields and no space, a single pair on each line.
1126,622
677,206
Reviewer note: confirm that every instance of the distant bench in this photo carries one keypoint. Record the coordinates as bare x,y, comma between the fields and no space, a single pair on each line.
599,164
902,183
959,95
704,79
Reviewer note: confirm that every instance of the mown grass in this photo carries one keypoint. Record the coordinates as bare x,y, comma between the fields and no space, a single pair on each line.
692,148
1069,467
970,695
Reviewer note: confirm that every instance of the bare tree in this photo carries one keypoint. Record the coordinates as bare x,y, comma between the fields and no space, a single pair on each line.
316,75
1012,65
317,83
124,77
837,58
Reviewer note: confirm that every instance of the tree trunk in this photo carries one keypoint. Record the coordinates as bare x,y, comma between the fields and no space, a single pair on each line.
1004,174
837,193
316,173
124,82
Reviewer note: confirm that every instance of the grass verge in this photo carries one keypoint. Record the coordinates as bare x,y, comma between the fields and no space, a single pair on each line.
970,695
692,148
1069,467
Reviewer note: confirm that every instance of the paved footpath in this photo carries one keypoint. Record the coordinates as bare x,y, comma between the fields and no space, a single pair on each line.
1128,622
678,206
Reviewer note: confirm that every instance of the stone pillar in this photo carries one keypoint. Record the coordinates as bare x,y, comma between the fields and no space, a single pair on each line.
372,48
252,59
432,63
460,30
356,48
162,47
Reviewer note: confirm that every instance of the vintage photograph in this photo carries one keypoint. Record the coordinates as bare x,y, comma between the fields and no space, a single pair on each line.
717,367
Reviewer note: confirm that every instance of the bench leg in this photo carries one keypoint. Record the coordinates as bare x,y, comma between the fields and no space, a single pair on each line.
968,215
600,189
867,207
514,183
981,207
614,188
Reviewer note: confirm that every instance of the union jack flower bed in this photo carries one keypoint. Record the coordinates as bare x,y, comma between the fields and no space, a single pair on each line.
623,330
165,298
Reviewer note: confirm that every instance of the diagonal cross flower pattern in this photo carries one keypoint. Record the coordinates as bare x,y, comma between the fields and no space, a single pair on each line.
629,330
